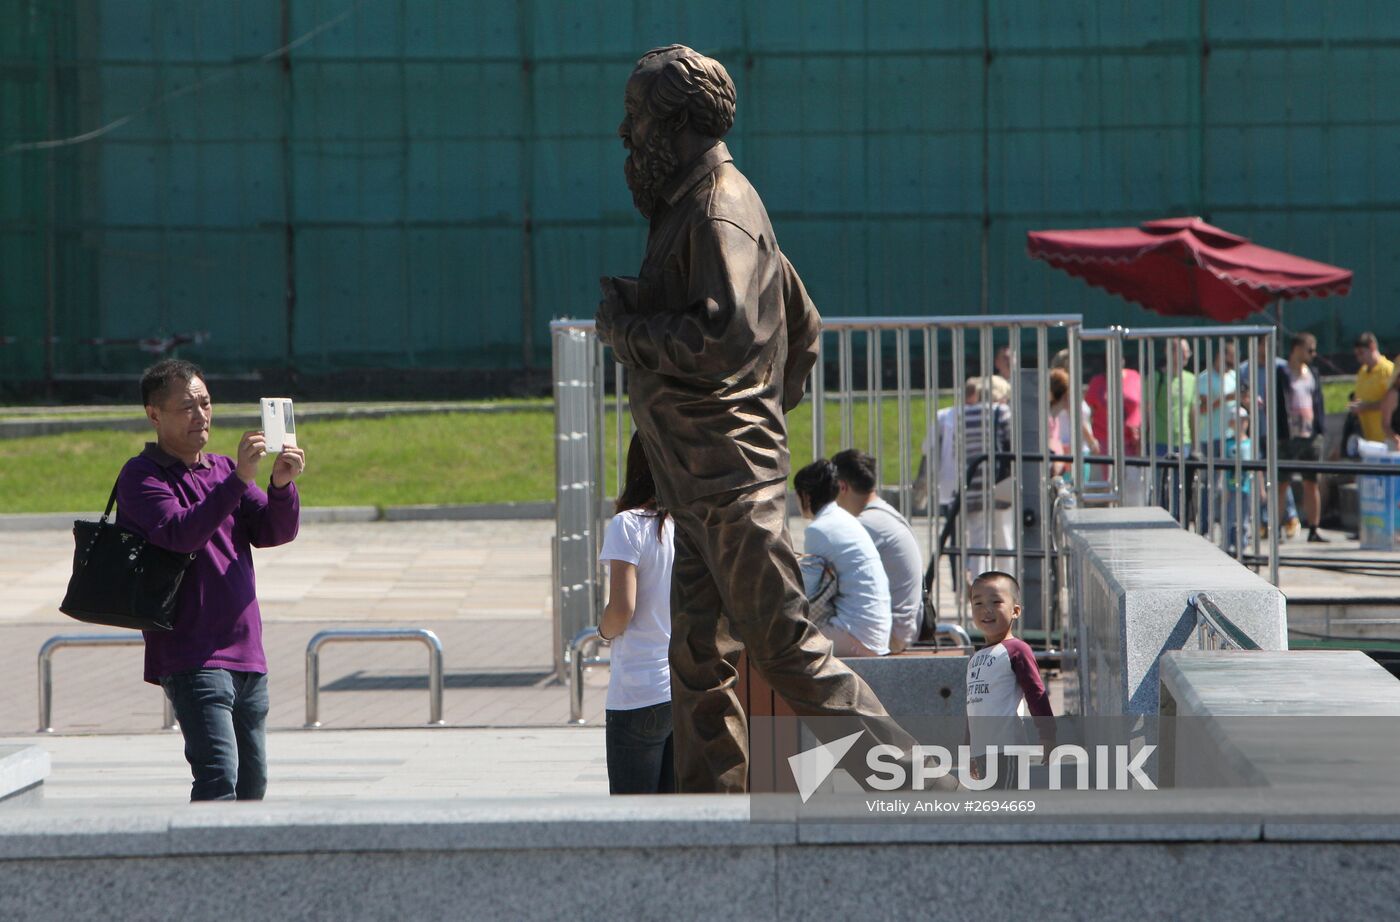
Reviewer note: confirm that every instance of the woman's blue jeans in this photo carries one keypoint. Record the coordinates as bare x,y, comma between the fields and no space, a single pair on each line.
223,716
641,756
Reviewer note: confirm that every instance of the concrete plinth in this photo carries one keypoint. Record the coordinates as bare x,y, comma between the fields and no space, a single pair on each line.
1132,574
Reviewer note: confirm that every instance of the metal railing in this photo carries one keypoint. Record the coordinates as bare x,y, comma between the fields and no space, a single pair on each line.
947,634
373,635
1238,424
1214,630
933,361
54,644
579,655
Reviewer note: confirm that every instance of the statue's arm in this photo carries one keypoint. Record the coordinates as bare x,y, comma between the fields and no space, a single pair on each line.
804,328
720,330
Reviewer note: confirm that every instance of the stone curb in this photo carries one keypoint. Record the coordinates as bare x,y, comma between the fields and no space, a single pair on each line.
51,521
474,512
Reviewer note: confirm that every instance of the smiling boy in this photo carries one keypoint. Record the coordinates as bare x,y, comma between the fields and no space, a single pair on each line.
1002,674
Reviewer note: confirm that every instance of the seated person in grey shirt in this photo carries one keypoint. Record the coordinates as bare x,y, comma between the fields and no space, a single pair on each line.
857,480
861,623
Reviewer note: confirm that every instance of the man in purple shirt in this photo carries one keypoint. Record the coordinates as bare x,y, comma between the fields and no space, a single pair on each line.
179,497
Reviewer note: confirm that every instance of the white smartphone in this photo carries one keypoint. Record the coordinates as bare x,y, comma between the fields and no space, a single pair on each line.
278,424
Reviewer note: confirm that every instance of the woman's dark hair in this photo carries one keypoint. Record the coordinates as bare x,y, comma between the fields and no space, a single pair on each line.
638,489
817,482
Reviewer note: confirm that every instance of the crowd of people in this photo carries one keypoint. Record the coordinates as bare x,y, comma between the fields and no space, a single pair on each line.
863,570
1208,415
863,574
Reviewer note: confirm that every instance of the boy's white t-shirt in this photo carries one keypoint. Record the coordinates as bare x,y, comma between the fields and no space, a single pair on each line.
996,699
641,666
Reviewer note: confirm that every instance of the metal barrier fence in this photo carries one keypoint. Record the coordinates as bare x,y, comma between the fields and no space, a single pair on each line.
914,392
1188,418
1201,412
54,644
580,482
373,635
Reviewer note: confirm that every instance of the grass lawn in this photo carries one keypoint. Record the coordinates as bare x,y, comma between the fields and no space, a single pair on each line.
406,460
447,458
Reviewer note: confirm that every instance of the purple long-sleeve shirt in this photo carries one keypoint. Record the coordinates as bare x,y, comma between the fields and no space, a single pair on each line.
208,511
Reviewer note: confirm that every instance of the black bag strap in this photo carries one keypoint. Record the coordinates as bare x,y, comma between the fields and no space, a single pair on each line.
111,501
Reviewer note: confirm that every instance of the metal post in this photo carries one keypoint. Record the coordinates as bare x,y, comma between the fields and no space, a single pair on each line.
819,401
621,467
933,460
369,635
1208,505
597,479
579,658
1117,415
1144,446
874,398
1042,370
903,361
1018,465
54,644
987,361
1182,420
847,382
1238,490
1149,418
960,464
1271,476
1262,433
1076,423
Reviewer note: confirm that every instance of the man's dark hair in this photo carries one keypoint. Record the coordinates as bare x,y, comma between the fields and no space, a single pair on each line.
1014,583
157,380
817,482
857,468
1302,339
691,87
1366,340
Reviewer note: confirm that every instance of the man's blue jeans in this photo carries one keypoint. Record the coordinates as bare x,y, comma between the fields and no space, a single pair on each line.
641,755
223,716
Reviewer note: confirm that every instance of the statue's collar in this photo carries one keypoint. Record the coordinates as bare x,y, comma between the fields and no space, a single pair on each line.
699,168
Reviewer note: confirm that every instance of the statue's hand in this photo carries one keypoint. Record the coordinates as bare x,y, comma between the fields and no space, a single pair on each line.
602,324
608,310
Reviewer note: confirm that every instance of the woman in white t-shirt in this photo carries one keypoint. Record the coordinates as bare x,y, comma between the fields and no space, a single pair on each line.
639,545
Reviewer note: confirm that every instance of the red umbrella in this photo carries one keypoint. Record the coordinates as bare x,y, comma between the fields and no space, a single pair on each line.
1184,267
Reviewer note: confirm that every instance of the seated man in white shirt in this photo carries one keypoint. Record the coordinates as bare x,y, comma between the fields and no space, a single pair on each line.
857,482
862,620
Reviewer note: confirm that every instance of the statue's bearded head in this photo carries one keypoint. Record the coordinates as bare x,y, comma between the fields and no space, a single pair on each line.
674,93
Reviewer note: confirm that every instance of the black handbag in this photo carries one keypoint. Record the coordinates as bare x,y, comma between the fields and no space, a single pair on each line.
120,579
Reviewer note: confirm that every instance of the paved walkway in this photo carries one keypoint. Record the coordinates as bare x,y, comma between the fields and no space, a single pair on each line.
482,587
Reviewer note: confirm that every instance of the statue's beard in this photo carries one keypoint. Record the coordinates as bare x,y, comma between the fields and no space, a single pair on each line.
648,170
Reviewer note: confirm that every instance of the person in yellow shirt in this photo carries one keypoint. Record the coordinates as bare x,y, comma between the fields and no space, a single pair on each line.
1372,381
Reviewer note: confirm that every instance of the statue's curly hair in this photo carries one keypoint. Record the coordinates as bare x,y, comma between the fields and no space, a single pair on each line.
693,87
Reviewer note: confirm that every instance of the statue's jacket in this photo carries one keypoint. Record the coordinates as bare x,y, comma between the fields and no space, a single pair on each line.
721,340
